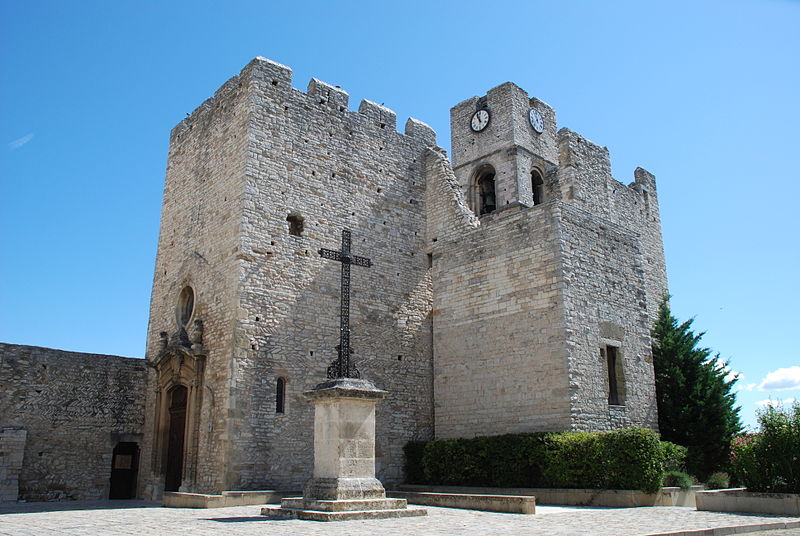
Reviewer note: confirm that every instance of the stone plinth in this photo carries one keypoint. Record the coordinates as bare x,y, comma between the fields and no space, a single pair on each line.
343,485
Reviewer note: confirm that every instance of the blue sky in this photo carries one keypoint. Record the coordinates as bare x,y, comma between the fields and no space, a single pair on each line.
702,94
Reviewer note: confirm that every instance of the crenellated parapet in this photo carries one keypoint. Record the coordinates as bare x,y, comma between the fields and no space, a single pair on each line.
270,76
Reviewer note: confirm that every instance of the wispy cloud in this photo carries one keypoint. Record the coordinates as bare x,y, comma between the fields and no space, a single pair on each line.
781,379
16,144
785,402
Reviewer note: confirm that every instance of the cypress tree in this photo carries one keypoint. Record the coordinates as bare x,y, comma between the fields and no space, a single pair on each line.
696,403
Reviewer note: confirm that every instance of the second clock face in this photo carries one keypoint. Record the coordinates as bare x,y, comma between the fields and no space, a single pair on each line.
537,122
480,120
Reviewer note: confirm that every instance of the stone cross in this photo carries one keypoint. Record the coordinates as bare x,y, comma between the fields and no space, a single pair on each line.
343,367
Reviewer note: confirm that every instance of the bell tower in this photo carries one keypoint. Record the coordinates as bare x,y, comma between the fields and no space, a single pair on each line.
504,149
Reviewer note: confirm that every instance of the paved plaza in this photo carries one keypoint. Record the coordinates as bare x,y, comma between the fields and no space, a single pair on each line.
139,517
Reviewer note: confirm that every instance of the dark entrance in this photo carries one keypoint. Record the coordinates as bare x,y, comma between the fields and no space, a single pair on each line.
124,468
177,429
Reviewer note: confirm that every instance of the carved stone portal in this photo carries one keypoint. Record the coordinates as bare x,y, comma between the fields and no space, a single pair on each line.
180,368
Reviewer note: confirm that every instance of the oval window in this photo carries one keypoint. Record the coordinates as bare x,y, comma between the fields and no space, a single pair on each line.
185,306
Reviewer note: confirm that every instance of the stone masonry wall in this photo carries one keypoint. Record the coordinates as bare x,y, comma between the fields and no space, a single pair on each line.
75,407
255,154
584,177
312,158
614,265
198,246
604,301
500,363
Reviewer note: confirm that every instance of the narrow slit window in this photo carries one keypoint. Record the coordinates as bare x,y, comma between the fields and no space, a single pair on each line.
280,396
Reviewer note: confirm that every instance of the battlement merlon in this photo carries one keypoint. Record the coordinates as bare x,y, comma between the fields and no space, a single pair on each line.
577,152
379,115
421,131
269,74
333,96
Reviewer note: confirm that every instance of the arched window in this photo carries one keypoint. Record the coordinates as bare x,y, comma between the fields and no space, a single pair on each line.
486,199
280,395
537,187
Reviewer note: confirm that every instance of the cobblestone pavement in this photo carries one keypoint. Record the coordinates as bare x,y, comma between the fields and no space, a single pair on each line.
138,517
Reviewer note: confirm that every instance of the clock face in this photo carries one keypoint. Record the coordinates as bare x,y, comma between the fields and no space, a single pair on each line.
480,120
537,122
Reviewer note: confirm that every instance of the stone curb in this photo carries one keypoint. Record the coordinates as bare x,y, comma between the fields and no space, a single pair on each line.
739,529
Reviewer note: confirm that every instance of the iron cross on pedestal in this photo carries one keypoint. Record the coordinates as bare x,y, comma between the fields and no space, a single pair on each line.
343,367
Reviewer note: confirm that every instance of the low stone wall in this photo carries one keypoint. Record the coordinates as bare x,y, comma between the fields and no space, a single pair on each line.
74,409
577,497
173,499
513,504
741,500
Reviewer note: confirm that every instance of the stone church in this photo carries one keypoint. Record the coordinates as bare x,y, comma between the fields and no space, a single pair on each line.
511,289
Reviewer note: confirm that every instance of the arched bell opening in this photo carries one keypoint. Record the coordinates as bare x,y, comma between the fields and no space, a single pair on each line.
484,198
537,187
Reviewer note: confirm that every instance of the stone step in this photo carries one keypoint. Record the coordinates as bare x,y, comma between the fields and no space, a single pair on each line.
317,515
343,505
516,504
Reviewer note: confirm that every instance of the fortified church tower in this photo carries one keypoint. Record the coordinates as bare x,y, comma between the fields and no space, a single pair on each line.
512,291
543,304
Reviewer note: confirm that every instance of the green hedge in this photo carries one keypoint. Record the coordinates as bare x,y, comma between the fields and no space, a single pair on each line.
632,458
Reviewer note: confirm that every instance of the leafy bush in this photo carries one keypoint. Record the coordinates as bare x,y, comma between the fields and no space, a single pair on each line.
574,461
770,459
674,456
718,481
633,458
679,479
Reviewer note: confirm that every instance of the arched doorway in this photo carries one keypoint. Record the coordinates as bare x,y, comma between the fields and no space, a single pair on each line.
176,437
124,469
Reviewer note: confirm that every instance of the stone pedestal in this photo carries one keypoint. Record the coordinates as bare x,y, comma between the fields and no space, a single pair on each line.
343,485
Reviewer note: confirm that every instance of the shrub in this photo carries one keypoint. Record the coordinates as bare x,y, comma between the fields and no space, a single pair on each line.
573,461
718,481
673,456
633,458
678,479
770,460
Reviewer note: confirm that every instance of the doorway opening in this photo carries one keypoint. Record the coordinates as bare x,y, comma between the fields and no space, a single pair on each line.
177,431
124,469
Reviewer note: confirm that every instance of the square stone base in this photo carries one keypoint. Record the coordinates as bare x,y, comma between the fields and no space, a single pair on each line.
337,489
